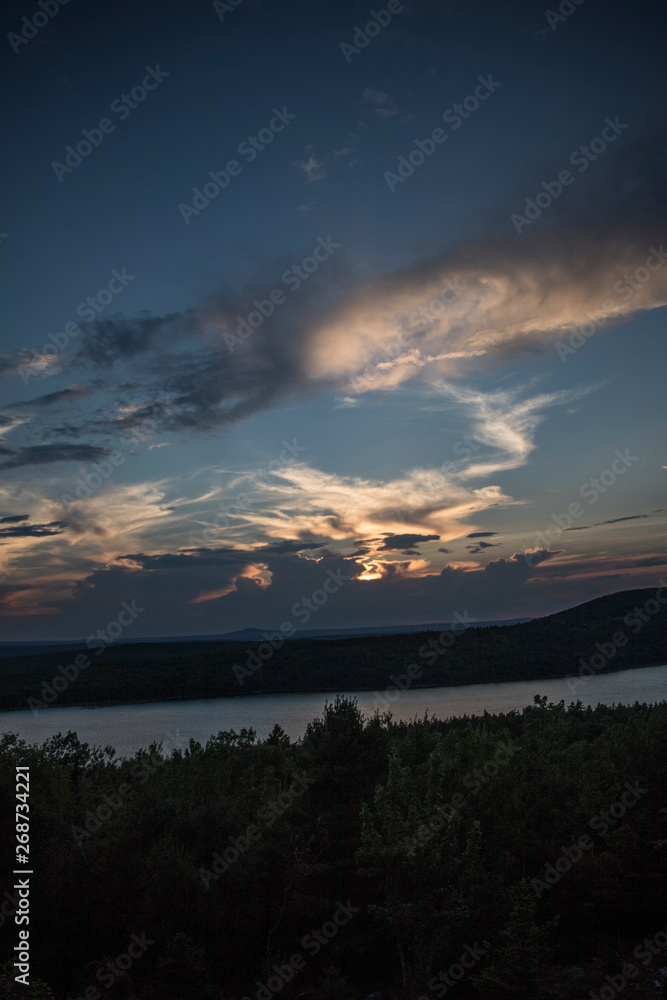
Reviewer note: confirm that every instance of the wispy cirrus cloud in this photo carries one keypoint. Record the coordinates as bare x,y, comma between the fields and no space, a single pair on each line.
312,168
383,104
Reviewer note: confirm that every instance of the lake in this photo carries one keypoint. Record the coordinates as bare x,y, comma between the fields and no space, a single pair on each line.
130,727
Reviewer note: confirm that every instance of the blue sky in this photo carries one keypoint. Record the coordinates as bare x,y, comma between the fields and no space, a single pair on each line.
426,364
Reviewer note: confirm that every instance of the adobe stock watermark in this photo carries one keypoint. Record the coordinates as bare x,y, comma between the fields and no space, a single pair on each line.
582,157
429,651
566,9
606,651
8,907
436,306
128,614
221,179
454,116
625,288
111,802
473,781
431,310
148,427
31,25
268,814
113,969
447,979
88,309
221,7
303,610
362,37
243,501
313,942
644,953
293,278
94,137
101,472
464,449
601,824
591,490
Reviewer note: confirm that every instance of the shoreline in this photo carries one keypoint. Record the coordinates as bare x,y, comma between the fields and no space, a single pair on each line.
89,706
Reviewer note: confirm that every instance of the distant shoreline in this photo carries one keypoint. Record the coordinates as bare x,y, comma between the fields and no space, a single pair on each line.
91,706
622,631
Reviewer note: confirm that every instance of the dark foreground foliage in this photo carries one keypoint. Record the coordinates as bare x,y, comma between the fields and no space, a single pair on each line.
421,854
615,632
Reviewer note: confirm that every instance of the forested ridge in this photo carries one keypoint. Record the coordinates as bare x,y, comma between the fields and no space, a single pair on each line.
581,641
506,856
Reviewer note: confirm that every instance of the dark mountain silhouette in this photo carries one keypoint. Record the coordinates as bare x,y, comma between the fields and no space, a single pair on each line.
616,632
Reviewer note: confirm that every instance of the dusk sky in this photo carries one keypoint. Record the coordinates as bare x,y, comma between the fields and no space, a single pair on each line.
411,339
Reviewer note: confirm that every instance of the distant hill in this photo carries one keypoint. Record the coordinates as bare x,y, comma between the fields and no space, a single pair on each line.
602,635
28,647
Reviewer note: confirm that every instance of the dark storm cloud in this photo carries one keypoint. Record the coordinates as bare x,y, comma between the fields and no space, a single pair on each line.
34,530
14,518
46,454
193,557
286,547
170,588
474,549
219,556
405,542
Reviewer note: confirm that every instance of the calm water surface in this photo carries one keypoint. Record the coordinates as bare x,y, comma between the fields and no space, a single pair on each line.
130,727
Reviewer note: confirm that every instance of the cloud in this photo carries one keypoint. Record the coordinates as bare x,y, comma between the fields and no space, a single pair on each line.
517,299
107,340
303,501
482,534
382,103
14,518
405,542
471,306
300,504
33,530
614,520
313,168
7,364
214,591
504,294
443,549
480,546
631,517
46,454
70,394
